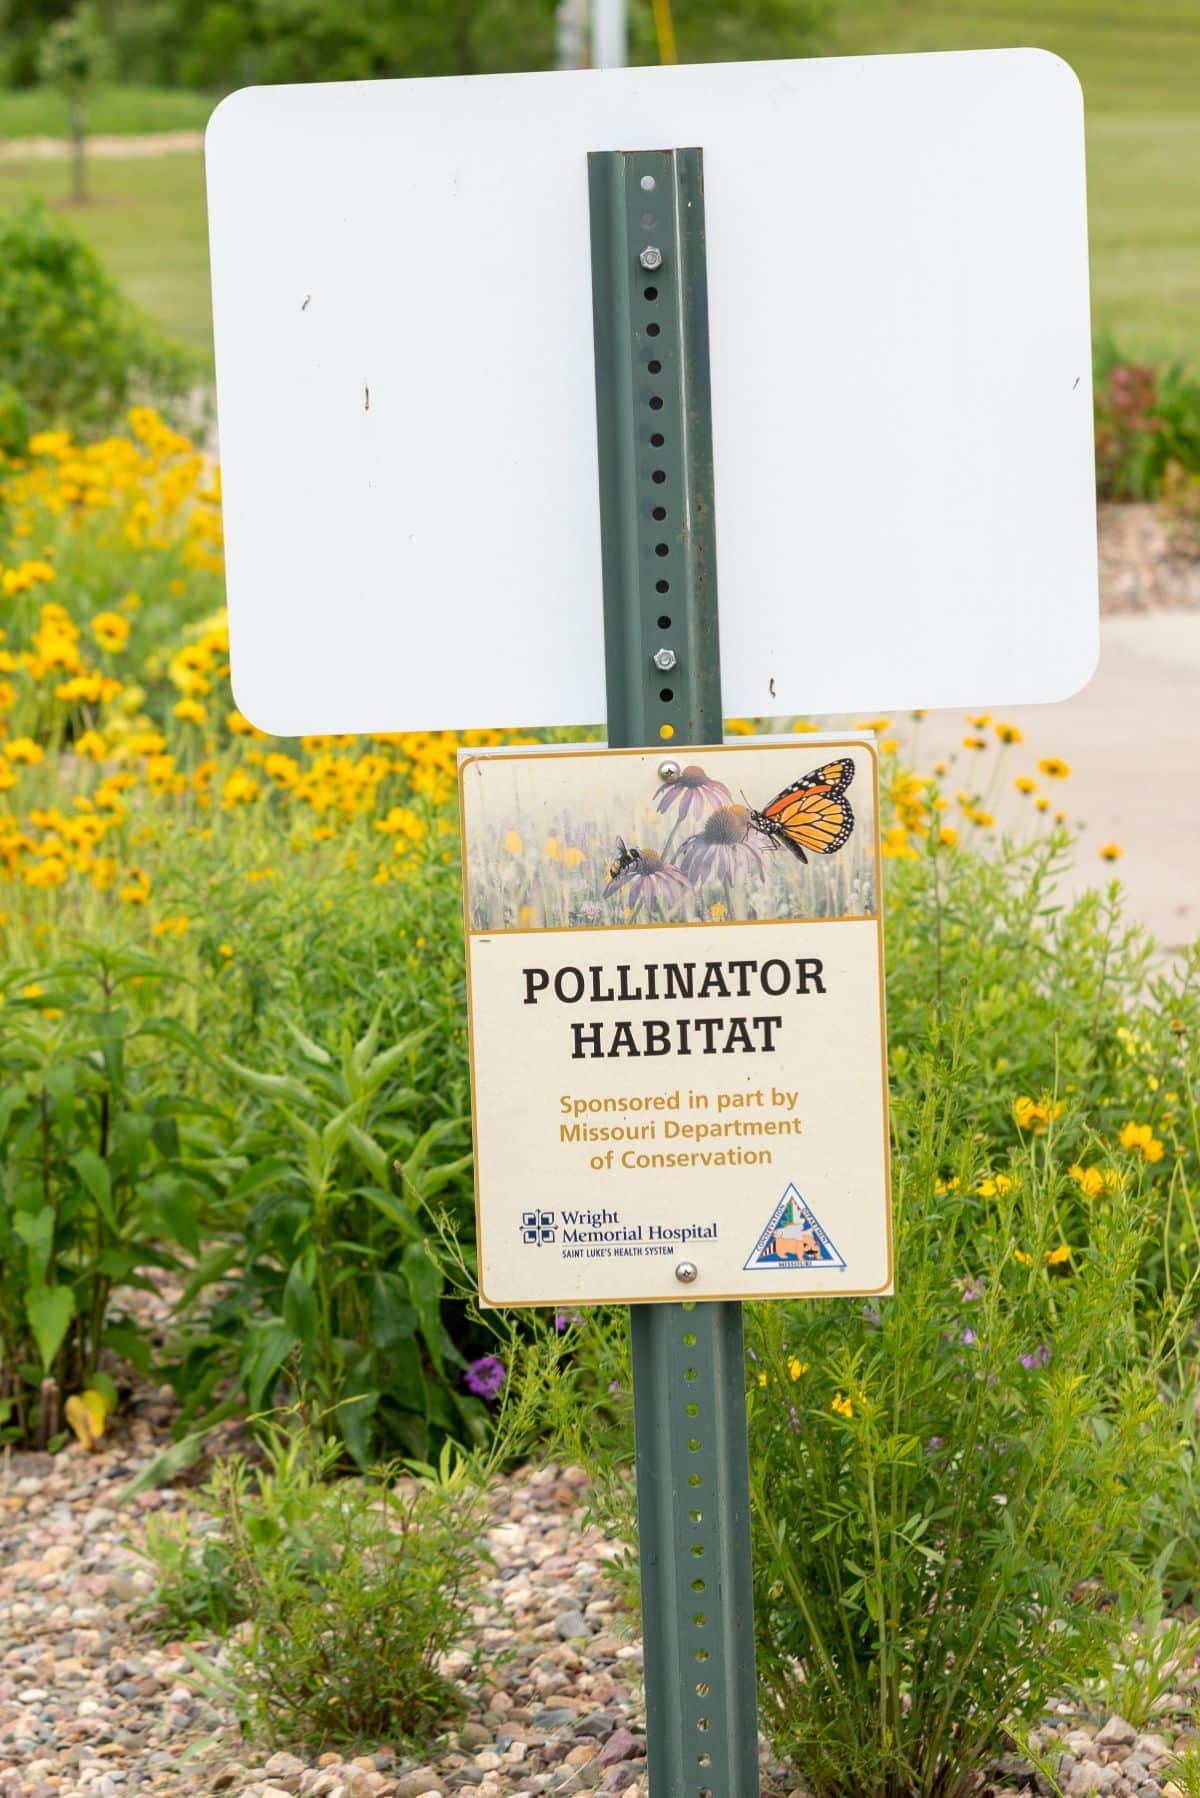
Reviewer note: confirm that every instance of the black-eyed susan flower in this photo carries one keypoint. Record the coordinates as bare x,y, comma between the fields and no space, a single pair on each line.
1111,852
1053,767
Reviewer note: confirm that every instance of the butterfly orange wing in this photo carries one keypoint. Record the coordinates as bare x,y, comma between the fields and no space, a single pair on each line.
814,813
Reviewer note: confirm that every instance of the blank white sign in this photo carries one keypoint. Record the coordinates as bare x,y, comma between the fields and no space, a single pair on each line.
902,396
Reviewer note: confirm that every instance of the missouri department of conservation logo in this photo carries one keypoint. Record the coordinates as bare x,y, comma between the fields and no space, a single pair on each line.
793,1238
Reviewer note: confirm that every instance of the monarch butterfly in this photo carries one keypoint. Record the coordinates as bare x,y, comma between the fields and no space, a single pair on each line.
812,814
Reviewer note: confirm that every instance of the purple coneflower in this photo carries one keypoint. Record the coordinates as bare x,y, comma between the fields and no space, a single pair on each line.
689,791
647,880
720,847
485,1376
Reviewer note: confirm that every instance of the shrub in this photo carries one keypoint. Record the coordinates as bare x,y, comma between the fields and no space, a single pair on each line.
351,1592
1147,418
97,1182
950,1483
71,345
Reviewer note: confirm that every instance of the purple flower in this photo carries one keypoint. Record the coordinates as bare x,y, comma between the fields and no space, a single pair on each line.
564,1319
934,1443
971,1290
646,880
689,791
968,1336
614,1385
485,1376
721,847
1039,1358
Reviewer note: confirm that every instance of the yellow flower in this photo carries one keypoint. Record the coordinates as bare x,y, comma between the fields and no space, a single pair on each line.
995,1186
1024,784
974,742
1022,1257
1142,1137
1111,852
1035,1114
896,844
225,950
190,711
718,912
796,1367
513,843
1056,1257
1009,733
32,991
92,745
948,836
171,926
23,751
137,889
110,630
762,1378
980,722
843,1406
573,857
1043,805
1053,767
552,849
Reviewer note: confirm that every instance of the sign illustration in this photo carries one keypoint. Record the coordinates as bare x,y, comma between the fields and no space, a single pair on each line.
675,977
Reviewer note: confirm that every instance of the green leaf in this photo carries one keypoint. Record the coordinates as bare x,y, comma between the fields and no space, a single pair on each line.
36,1230
94,1171
424,1279
49,1310
393,1316
271,1344
300,1312
271,1086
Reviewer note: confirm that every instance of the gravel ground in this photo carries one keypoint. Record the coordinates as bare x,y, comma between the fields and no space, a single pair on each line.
1139,570
90,1703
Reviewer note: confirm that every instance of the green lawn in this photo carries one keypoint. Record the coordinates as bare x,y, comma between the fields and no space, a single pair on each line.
1139,61
147,220
42,112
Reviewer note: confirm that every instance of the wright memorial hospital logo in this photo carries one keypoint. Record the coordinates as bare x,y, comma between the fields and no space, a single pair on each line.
537,1228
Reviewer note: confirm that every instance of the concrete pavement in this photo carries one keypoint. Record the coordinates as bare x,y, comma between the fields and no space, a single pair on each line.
1132,740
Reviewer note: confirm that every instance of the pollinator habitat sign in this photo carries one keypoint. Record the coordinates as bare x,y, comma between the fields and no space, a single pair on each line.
675,973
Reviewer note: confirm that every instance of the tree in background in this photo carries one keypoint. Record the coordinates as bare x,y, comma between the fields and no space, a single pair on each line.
222,44
75,56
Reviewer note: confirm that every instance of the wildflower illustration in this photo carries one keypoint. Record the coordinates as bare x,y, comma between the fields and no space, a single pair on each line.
617,838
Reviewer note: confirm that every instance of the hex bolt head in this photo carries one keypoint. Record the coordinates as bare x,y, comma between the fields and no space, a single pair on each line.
668,770
665,659
651,257
686,1272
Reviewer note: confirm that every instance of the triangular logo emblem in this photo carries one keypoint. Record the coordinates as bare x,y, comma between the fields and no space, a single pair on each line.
793,1238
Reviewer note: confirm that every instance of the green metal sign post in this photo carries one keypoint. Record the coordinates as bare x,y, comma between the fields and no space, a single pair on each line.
662,655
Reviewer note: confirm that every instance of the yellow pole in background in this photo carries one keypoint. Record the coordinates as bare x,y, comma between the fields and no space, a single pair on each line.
664,27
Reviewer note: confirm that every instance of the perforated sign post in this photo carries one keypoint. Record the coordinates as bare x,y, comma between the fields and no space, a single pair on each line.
401,277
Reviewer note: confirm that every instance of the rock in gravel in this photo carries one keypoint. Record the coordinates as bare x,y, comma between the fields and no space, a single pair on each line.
622,1745
600,1724
1151,1747
415,1785
572,1625
1090,1777
1116,1734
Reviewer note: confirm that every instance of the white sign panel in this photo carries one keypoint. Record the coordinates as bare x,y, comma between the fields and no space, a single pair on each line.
676,1022
901,386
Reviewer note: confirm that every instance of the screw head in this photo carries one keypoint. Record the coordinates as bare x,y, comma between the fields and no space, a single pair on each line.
668,770
665,659
651,257
686,1272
